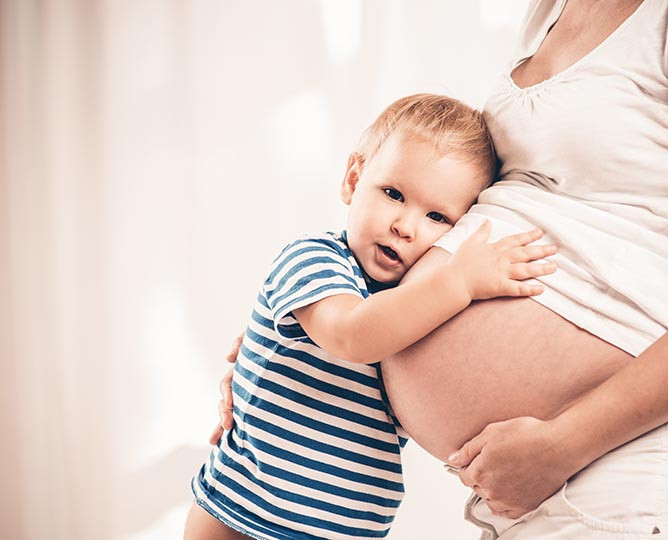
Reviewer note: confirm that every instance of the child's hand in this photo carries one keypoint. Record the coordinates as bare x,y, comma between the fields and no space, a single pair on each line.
497,269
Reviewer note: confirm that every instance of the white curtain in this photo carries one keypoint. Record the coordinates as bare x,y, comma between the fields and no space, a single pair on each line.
154,155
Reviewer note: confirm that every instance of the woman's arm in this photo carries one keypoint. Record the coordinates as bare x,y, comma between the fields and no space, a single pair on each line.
518,463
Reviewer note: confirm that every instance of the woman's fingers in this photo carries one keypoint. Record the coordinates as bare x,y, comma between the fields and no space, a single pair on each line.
226,405
234,349
519,465
216,434
468,451
225,384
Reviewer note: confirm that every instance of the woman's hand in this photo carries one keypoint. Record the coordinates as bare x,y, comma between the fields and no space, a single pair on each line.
501,268
514,465
518,463
226,405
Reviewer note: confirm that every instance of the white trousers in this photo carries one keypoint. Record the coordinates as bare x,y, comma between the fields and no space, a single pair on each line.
621,496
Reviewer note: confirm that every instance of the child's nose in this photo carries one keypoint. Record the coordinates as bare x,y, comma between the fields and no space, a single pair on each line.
404,227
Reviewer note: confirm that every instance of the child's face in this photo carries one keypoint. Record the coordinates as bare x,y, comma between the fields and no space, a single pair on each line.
401,201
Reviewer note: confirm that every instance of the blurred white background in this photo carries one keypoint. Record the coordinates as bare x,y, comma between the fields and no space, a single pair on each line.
154,156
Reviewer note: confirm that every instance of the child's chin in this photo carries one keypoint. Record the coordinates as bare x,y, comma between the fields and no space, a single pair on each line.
385,280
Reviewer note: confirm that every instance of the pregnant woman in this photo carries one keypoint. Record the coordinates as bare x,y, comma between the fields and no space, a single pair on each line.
580,123
543,388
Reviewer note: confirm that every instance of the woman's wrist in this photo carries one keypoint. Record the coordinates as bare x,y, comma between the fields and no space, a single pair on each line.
572,441
631,402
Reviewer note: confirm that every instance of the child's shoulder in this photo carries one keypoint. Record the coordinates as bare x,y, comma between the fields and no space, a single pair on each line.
321,241
315,250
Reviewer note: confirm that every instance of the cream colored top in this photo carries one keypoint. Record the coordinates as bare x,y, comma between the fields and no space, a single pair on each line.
585,157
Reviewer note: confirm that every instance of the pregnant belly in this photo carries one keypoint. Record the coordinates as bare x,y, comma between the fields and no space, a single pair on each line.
498,359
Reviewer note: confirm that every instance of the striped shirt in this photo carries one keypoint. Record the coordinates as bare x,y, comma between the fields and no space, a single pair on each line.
315,452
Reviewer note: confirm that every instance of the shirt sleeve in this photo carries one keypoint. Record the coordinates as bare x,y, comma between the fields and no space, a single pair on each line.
306,272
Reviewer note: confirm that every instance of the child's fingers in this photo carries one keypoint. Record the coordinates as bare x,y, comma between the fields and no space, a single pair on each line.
521,239
531,270
533,289
531,253
521,288
481,234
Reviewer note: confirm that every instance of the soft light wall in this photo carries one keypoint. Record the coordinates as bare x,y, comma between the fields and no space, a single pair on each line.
154,157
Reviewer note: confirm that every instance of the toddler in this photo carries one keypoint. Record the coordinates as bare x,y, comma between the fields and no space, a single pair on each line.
315,450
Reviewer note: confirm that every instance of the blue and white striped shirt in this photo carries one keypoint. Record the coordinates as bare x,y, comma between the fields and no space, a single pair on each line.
315,452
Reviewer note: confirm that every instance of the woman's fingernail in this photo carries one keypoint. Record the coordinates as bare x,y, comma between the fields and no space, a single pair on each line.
453,457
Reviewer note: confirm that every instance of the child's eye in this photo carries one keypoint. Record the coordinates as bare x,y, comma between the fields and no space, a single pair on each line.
437,217
393,194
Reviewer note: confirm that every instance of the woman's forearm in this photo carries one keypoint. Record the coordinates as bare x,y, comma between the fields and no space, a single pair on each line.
516,464
631,402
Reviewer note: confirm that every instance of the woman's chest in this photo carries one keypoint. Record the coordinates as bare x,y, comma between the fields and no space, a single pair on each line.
599,126
581,27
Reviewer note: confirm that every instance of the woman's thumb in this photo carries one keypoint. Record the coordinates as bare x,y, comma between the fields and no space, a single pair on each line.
465,455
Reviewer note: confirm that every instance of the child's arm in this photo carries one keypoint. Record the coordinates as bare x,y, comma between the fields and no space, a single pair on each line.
369,330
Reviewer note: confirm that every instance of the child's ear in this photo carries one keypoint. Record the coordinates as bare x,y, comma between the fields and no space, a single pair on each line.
353,171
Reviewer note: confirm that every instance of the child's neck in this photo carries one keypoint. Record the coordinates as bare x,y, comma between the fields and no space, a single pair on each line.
376,286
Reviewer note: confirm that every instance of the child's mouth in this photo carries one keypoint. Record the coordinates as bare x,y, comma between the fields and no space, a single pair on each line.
390,253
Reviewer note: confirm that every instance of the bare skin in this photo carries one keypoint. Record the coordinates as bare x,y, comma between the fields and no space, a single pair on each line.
498,359
201,525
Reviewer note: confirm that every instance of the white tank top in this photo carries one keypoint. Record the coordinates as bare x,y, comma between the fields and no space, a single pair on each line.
585,157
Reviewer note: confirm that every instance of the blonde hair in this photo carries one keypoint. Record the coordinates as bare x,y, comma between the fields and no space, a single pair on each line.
450,125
